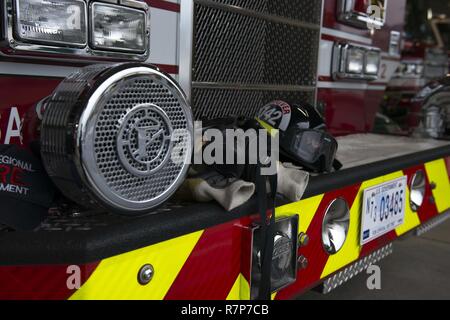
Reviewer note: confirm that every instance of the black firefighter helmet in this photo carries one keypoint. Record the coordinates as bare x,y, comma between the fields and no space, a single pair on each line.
303,137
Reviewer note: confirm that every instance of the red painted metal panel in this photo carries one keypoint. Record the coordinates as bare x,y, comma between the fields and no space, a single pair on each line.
40,282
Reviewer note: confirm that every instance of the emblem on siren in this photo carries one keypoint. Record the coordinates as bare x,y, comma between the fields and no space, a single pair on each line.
144,140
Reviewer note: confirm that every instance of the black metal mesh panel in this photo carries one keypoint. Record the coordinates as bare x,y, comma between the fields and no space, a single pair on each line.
301,10
216,103
234,48
267,46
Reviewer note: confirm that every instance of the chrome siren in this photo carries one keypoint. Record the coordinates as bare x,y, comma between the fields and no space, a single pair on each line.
117,137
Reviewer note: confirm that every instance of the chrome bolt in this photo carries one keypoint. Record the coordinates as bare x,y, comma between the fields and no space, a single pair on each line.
146,274
302,262
303,240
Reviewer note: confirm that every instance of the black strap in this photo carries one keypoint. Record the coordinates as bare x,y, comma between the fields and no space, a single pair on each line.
337,165
267,230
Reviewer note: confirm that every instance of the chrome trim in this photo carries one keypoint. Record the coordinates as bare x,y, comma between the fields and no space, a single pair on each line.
186,43
351,271
10,46
433,223
316,93
346,14
134,4
339,62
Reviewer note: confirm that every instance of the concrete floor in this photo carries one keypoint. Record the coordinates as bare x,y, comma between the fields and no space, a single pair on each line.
418,269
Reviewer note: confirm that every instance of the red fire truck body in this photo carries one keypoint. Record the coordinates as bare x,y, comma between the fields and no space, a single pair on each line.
198,250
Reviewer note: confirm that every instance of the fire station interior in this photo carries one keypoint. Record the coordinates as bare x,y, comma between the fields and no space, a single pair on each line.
222,149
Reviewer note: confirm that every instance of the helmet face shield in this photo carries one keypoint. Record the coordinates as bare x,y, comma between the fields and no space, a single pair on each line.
308,145
315,149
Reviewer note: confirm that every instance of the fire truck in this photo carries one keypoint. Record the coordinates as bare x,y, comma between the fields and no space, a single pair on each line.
422,63
79,79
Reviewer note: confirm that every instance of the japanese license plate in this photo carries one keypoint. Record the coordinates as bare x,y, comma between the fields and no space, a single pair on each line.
383,209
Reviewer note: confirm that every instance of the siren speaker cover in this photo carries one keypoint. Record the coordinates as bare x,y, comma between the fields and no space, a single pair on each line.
117,137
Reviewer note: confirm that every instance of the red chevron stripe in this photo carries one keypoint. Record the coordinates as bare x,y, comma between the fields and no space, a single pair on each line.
212,268
39,282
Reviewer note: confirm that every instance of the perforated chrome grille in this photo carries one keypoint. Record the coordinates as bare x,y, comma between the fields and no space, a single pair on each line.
134,93
117,137
250,51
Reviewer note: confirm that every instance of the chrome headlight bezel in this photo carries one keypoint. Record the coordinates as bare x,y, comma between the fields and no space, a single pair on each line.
418,190
12,45
347,13
336,219
342,53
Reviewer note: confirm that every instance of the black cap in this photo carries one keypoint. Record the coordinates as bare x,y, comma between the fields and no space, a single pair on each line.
26,192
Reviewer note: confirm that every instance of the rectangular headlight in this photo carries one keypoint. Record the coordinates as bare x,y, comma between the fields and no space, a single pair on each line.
61,22
118,28
355,60
372,65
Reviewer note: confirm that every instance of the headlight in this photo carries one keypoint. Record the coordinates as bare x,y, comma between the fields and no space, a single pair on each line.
417,195
118,28
335,226
372,64
355,60
52,22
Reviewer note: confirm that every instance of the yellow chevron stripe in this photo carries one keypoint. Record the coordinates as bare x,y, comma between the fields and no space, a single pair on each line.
245,289
306,209
116,278
235,293
437,174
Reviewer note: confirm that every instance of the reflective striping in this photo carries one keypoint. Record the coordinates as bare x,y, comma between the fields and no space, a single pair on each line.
211,270
206,264
306,209
116,278
436,174
350,252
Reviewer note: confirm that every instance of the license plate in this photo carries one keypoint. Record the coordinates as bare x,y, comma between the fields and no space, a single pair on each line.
383,209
